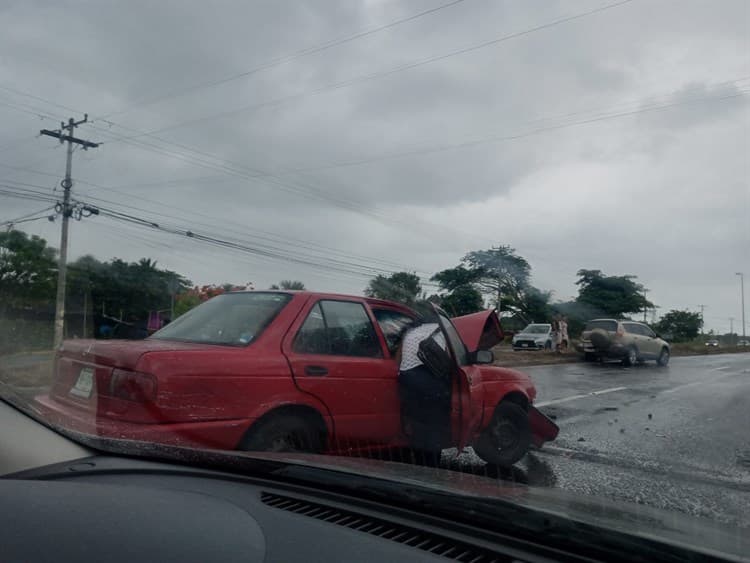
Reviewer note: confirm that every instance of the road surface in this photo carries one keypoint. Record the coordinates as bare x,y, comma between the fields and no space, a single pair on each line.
675,438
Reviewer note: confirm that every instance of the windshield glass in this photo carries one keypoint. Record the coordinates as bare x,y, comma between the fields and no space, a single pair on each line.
537,329
233,319
237,227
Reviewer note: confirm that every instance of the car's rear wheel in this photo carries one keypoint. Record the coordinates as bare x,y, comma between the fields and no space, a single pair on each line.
548,345
285,432
663,359
631,357
508,436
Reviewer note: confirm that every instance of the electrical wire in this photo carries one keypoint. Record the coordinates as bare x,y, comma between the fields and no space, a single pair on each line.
280,60
28,217
375,75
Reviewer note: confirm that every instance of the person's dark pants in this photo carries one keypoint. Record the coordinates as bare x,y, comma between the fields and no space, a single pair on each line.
425,405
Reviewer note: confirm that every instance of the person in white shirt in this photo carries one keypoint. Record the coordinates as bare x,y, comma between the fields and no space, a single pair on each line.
425,399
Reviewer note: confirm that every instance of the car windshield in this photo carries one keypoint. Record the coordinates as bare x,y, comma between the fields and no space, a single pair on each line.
232,319
536,329
506,240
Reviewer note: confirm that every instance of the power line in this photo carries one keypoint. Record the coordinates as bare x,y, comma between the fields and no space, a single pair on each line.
305,190
375,75
281,60
268,235
28,217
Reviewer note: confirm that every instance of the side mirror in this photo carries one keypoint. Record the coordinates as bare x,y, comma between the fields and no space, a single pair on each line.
484,357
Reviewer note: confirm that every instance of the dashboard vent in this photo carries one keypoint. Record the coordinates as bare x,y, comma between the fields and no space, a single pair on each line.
419,539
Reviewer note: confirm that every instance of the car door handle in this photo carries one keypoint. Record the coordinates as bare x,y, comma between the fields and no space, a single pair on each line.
316,370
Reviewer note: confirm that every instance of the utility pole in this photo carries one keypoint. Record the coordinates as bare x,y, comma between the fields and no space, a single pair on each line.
67,211
742,293
645,304
731,326
702,323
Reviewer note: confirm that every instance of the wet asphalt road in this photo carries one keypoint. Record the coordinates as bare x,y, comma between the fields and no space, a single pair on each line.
675,438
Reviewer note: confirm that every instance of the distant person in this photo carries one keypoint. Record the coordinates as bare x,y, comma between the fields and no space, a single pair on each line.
563,331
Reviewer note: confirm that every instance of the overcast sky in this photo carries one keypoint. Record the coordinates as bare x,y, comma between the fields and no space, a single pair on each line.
617,140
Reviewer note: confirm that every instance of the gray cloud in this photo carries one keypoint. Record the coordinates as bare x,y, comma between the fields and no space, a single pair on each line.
527,142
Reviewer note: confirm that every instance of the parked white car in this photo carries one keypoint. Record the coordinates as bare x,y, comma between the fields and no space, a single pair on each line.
537,336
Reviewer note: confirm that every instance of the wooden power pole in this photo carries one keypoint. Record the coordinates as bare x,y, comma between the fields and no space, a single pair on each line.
65,133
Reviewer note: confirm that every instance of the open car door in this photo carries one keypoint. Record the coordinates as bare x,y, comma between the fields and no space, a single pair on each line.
467,397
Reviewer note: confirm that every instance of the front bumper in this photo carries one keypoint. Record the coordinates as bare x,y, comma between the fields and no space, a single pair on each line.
542,427
215,434
528,345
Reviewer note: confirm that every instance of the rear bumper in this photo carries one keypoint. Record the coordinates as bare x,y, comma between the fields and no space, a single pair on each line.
215,434
614,351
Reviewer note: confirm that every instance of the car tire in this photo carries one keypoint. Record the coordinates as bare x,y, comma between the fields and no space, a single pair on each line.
507,438
548,345
284,432
589,357
663,359
631,357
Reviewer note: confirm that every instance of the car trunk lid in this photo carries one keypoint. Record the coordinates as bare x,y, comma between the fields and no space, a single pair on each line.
83,368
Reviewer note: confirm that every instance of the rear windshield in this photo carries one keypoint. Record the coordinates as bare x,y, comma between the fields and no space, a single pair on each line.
610,326
232,319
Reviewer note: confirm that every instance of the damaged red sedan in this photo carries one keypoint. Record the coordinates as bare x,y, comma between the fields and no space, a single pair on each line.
290,370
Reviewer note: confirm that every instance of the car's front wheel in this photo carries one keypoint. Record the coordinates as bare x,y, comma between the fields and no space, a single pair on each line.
284,432
508,436
663,359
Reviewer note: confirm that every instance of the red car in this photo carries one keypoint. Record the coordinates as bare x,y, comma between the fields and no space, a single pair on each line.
289,370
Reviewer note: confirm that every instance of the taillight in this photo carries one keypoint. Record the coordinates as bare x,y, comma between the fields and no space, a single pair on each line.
620,331
132,386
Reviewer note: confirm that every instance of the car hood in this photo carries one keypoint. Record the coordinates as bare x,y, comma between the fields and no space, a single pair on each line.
698,534
479,331
121,353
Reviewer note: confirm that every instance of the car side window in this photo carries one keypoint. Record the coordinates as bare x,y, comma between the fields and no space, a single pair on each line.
393,325
647,331
339,328
312,337
632,328
350,330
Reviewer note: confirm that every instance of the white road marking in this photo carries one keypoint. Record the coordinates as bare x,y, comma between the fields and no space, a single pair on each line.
576,397
720,368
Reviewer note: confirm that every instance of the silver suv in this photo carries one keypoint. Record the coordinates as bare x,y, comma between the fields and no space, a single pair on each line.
629,341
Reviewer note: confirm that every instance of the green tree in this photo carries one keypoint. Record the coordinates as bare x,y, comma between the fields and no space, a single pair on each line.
290,285
682,326
462,296
453,278
463,300
506,277
403,287
121,288
28,270
615,296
